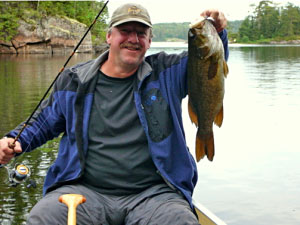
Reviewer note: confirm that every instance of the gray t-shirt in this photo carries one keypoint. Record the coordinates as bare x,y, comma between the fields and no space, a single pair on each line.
118,160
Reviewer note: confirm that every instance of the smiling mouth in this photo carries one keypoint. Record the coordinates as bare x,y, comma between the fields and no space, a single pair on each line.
131,47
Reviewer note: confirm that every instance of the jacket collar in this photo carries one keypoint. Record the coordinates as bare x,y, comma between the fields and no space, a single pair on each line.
88,70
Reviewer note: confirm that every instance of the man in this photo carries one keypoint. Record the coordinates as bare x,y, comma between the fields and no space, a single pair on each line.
123,144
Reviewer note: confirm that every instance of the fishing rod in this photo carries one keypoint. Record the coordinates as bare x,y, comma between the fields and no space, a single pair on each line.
21,172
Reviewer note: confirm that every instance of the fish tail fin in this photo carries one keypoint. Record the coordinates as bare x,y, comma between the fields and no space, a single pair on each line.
225,67
219,117
192,114
200,149
205,146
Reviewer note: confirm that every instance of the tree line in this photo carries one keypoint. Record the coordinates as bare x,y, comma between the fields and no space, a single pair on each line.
31,11
267,21
170,31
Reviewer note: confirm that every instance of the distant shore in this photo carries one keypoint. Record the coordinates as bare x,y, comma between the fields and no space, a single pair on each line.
183,44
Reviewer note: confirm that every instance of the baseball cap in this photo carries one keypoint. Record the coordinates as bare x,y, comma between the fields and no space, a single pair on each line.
130,12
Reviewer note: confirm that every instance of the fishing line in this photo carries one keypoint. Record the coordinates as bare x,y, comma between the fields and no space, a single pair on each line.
21,172
62,69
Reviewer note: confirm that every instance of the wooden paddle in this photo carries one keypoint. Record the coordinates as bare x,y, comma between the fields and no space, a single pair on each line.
72,201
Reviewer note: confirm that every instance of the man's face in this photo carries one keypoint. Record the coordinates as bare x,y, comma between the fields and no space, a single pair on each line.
129,43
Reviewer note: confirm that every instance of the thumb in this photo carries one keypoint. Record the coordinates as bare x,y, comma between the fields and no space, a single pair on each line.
18,148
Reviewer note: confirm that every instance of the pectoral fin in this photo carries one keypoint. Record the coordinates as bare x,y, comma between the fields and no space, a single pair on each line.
225,68
192,114
219,118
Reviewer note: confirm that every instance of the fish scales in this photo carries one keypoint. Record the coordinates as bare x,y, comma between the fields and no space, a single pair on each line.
206,71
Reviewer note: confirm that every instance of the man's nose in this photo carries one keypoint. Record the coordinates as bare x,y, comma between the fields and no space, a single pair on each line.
133,37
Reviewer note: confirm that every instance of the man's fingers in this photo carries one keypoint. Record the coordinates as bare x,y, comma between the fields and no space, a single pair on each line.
206,13
4,161
18,148
7,152
220,21
210,13
215,14
6,155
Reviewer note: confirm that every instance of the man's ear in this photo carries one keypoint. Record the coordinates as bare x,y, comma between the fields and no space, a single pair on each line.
149,43
108,35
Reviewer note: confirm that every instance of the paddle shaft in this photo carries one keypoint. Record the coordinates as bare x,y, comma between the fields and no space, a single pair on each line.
72,201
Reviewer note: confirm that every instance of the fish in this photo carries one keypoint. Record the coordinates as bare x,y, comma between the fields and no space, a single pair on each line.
206,72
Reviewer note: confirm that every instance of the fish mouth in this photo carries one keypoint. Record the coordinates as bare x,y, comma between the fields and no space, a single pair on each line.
199,21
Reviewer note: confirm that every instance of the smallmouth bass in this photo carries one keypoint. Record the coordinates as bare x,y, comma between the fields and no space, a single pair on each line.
206,71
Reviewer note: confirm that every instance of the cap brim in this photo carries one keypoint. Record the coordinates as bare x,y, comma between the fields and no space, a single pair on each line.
131,20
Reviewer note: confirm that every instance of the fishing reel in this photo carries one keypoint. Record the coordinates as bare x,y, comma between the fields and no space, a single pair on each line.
19,175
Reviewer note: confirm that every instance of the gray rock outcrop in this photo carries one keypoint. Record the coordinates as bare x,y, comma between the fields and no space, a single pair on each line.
51,35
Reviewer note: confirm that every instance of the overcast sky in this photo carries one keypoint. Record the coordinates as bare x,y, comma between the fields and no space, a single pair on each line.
188,10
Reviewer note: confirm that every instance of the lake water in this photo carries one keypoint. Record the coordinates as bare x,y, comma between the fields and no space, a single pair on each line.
255,176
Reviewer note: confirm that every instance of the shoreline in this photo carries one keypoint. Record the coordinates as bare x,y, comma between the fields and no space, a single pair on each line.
183,44
178,45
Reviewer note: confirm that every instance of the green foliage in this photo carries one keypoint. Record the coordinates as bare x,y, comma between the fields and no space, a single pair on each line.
83,11
233,26
170,31
232,29
8,21
268,22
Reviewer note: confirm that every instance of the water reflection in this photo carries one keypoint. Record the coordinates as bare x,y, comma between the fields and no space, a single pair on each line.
23,81
272,71
263,54
256,169
255,174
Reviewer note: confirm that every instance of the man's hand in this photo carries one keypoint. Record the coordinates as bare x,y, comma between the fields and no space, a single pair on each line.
7,153
219,18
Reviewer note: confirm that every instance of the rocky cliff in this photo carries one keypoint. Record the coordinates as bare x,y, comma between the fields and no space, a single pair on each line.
51,35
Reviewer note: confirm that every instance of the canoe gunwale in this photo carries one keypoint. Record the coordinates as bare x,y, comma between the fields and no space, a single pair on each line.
205,216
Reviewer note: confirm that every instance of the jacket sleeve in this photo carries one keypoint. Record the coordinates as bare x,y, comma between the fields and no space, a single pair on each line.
47,122
224,38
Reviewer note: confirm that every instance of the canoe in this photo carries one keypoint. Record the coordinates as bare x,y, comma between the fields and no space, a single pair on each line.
205,216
